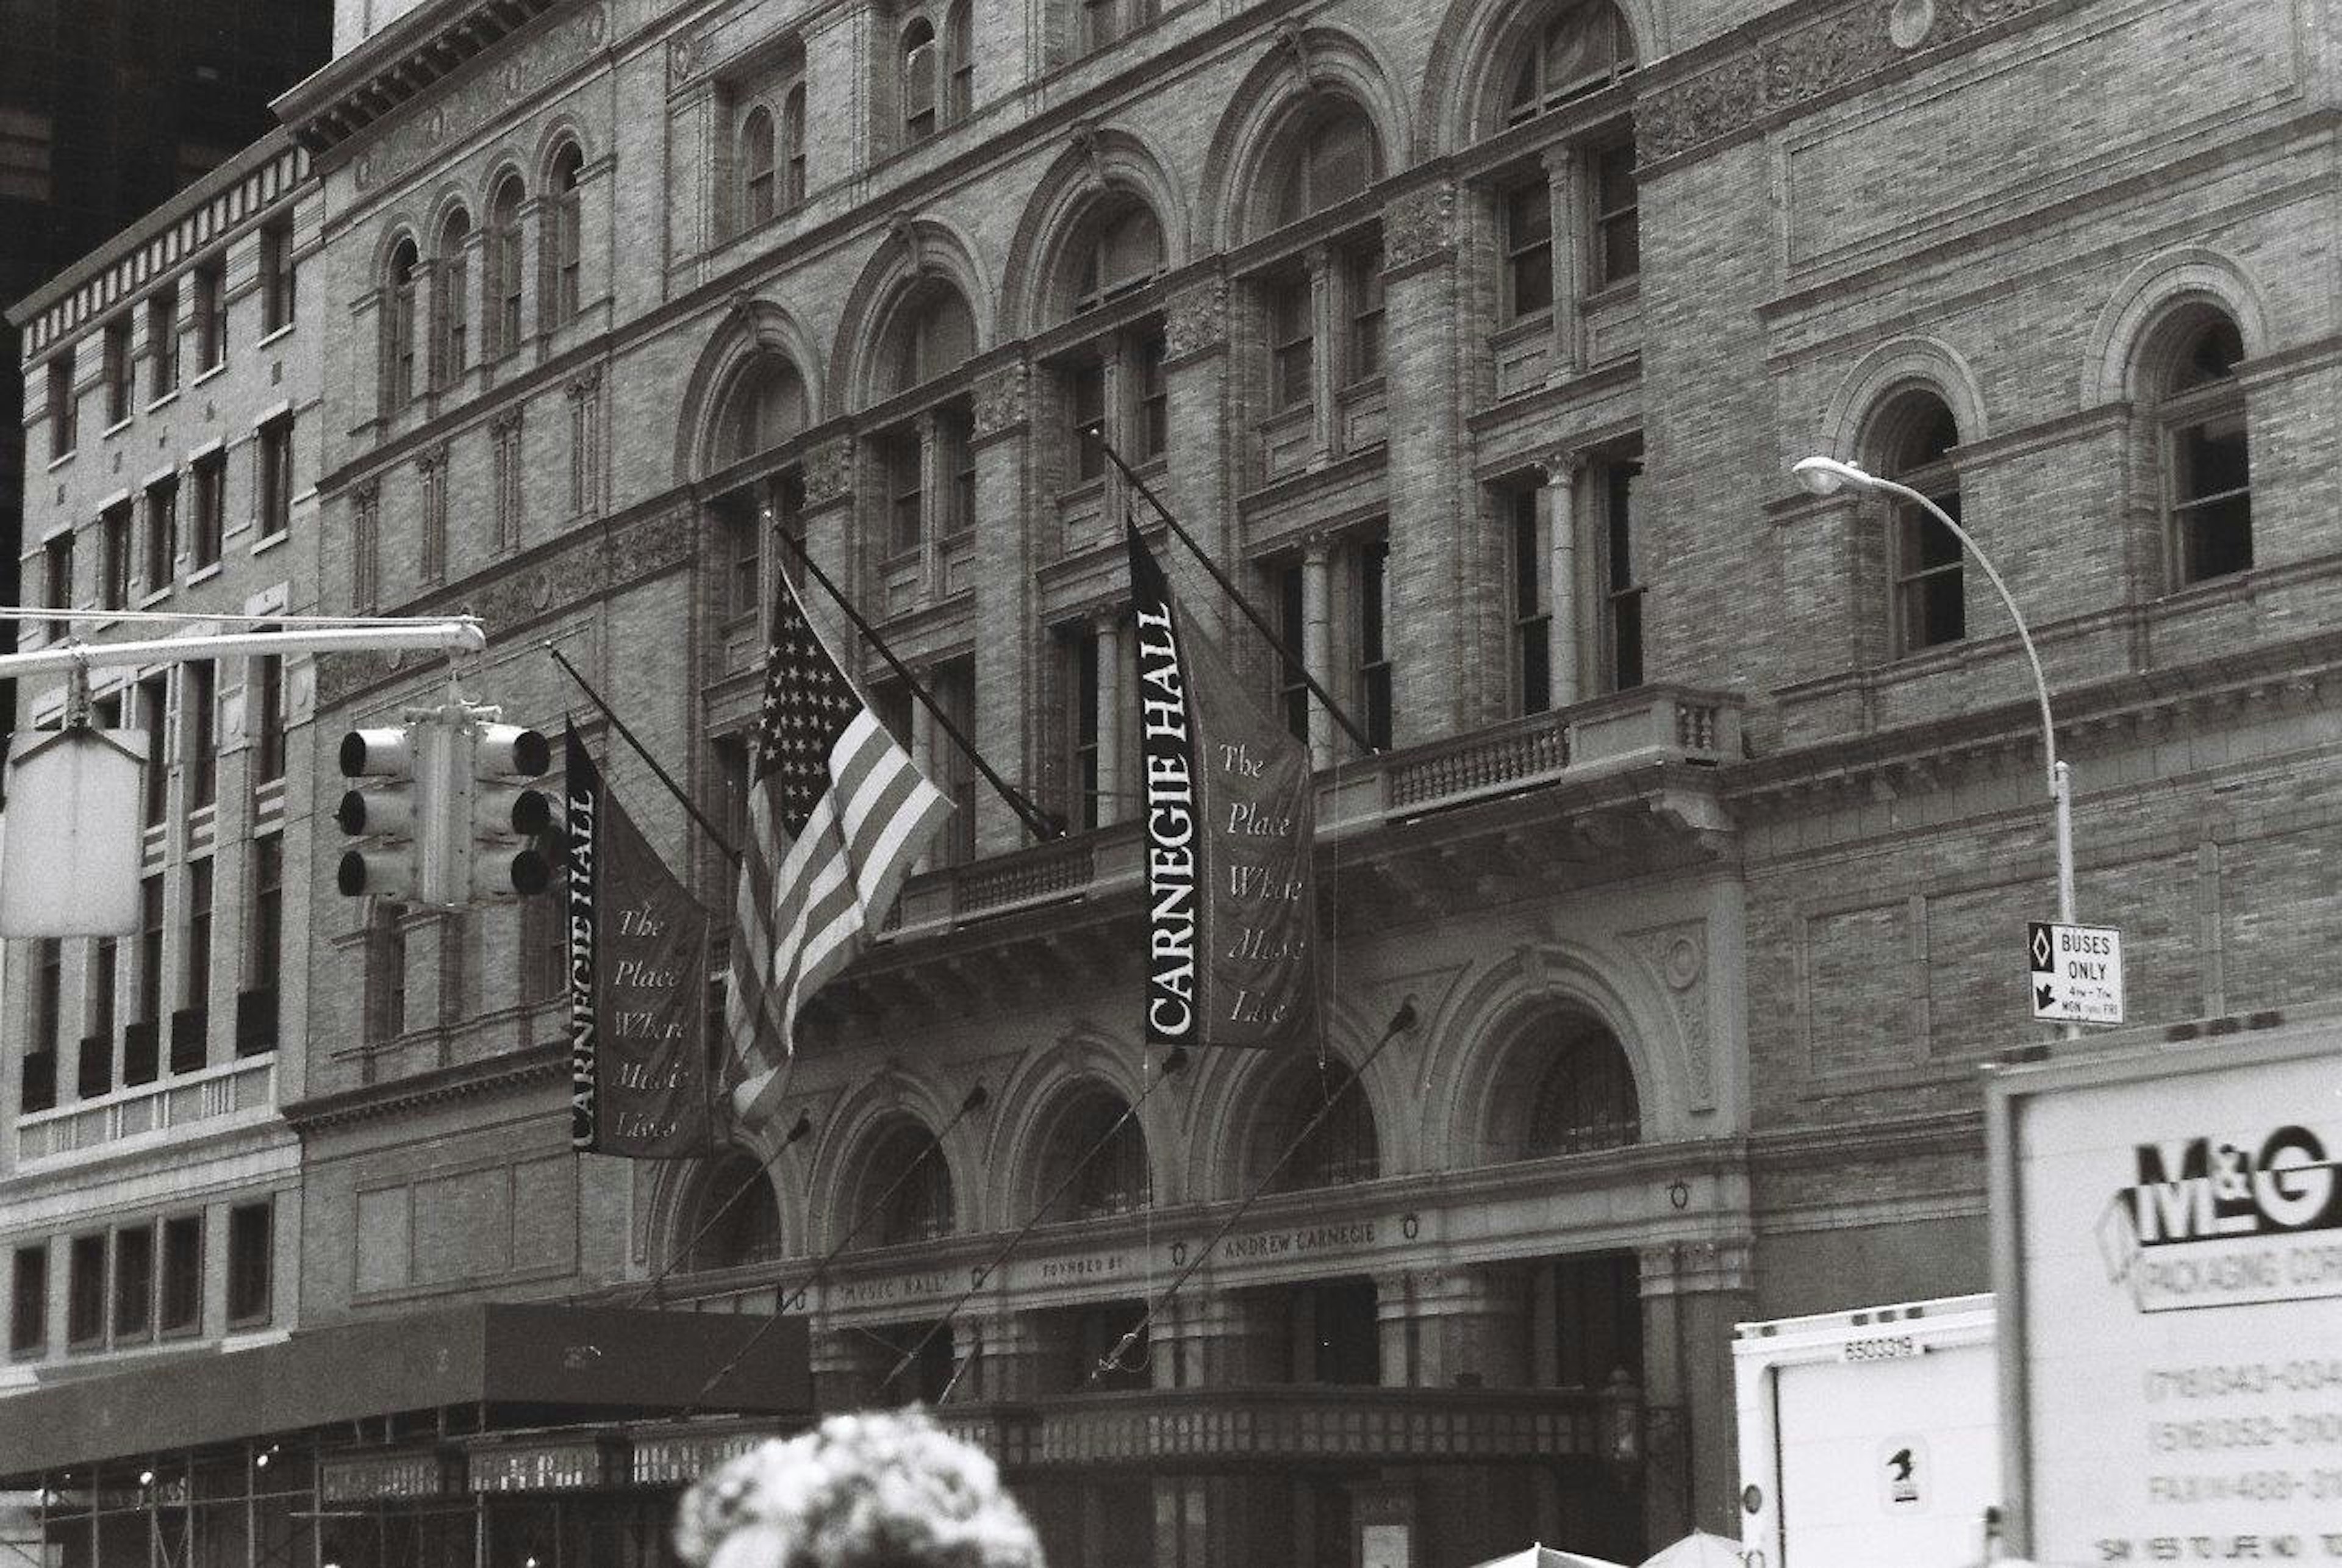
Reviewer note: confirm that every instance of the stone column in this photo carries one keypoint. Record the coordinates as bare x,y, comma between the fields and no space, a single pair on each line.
476,303
533,215
595,236
1324,342
1562,469
1317,643
1564,173
925,751
1008,730
369,374
1216,1341
1693,1292
1437,542
1462,1327
829,535
1205,424
1111,806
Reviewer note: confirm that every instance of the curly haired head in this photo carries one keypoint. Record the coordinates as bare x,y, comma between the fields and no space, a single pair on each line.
876,1490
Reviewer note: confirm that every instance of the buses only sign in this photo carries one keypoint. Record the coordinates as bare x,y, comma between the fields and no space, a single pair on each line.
2077,972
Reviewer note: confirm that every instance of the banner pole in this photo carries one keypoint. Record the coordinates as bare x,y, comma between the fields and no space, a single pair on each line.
1040,823
685,801
1293,660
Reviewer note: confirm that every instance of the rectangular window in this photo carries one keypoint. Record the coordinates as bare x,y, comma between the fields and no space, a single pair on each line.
117,370
1532,615
28,1300
1101,24
1292,344
251,1262
544,947
268,708
902,493
161,533
1292,617
744,549
134,1283
386,978
49,992
65,425
85,1291
1374,651
181,1310
1085,406
1362,280
954,688
1528,250
201,713
278,280
113,558
2211,496
163,341
57,563
1151,424
567,240
1082,646
199,933
1618,242
453,288
150,949
956,461
211,508
211,314
1622,585
276,477
105,974
1930,598
265,957
154,717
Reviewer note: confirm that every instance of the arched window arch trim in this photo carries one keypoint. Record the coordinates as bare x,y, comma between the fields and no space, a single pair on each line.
1242,168
1120,1179
562,223
753,328
451,348
1562,53
402,278
924,252
925,1207
759,165
1910,437
2187,369
1103,164
734,1200
1475,55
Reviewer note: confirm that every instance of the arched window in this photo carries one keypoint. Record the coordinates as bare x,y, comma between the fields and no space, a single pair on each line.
959,64
737,1219
398,324
454,296
563,242
1341,1149
1116,1179
937,335
2206,465
1336,158
918,1209
1580,49
793,147
758,204
1912,438
917,56
504,268
1584,1096
1122,252
765,407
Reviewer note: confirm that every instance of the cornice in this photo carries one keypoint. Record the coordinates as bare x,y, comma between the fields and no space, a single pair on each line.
1838,1142
471,1080
397,65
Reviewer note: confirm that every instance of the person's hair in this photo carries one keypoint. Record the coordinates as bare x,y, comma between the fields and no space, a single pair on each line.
874,1490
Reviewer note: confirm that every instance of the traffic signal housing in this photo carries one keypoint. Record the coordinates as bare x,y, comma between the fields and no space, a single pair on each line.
383,816
504,819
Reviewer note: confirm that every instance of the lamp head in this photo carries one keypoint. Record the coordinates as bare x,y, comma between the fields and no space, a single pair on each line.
1827,475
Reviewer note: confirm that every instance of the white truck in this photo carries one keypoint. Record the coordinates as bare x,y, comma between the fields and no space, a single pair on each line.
1868,1438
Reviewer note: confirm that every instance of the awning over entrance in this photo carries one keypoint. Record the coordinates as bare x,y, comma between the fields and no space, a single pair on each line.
563,1361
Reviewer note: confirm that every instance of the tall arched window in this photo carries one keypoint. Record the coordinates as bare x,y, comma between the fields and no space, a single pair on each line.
765,407
1123,253
398,324
1113,1181
2206,463
1581,48
563,240
959,64
1341,1149
736,1219
453,296
504,268
793,147
936,336
1335,158
1912,438
757,203
917,57
1584,1095
918,1209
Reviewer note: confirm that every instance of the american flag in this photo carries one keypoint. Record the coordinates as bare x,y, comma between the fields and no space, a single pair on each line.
836,815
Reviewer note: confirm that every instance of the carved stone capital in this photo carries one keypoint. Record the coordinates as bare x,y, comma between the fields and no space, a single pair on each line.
1195,318
1561,466
829,471
585,384
366,496
1419,224
506,423
1002,400
432,461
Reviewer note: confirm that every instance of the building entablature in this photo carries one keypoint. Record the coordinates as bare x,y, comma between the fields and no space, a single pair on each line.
398,64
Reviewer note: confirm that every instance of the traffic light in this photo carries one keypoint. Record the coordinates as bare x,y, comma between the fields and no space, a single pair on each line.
387,862
502,817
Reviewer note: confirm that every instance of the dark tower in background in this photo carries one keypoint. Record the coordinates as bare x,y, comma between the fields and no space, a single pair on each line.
107,107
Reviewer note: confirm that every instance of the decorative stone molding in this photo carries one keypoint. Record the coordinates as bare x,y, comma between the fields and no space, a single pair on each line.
585,383
1001,400
829,471
432,461
1419,224
688,55
1561,464
469,104
1196,318
506,423
1676,956
1796,64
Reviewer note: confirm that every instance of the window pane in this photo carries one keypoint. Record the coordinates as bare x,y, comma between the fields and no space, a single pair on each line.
133,1282
250,1243
183,1272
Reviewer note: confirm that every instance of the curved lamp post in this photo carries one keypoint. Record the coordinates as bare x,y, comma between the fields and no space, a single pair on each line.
1828,477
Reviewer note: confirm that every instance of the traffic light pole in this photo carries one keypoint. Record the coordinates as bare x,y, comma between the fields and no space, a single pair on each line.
463,634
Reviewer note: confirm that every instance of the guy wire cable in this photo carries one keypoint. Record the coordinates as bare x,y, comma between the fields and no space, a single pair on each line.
982,1275
976,1100
1401,1022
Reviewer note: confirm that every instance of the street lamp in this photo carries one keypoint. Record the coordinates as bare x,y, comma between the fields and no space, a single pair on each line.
1828,477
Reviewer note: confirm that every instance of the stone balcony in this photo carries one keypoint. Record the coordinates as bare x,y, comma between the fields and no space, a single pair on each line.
215,1099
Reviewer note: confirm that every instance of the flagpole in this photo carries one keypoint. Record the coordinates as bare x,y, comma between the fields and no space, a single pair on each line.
975,1101
1401,1022
1293,660
1172,1064
1040,823
642,752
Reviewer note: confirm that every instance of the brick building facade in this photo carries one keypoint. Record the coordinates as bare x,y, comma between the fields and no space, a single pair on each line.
1478,342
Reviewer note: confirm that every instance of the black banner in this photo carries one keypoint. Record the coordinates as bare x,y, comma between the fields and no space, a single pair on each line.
639,1082
1231,952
